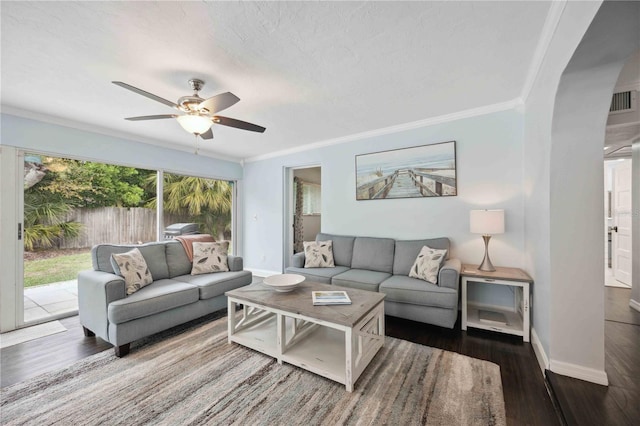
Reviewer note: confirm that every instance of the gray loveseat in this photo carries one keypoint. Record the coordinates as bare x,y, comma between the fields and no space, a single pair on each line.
383,264
174,297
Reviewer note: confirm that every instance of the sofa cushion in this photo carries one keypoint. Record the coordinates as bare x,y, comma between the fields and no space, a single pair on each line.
212,285
157,297
402,289
375,254
153,253
342,248
360,278
407,251
318,254
133,268
210,257
318,275
427,264
177,260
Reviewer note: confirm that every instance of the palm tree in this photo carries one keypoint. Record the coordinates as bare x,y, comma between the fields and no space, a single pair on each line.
206,201
44,220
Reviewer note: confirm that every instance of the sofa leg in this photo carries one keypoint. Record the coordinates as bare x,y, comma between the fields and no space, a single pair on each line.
122,350
87,332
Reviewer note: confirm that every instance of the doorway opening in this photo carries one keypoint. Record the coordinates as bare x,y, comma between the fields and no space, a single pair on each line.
303,208
618,209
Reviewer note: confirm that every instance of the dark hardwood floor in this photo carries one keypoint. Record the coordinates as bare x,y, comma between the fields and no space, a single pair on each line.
29,359
585,403
526,399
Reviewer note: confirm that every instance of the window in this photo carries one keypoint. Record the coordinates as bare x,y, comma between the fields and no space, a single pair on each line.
311,198
201,201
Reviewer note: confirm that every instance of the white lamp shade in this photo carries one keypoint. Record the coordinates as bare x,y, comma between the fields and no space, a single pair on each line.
195,123
487,222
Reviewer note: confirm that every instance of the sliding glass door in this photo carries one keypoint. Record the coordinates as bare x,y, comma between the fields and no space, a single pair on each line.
195,204
70,206
55,209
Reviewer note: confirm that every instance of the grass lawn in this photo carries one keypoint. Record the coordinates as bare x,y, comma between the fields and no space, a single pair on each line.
55,269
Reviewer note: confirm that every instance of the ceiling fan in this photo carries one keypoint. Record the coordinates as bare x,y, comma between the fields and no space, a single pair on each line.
199,114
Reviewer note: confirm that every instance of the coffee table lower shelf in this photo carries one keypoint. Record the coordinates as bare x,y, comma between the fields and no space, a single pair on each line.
330,350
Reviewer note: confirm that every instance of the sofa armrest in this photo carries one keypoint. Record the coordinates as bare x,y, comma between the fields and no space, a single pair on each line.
235,263
449,275
297,260
96,289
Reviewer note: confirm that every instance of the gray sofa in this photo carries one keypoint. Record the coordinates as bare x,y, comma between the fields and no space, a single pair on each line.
174,297
383,264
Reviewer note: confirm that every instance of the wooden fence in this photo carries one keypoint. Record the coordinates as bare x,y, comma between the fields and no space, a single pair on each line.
115,225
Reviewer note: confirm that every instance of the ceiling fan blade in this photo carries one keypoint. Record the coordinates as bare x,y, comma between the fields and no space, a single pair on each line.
146,94
219,102
207,135
151,117
232,122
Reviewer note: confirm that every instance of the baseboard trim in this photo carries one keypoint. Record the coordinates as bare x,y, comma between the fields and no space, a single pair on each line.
634,304
538,349
578,372
262,272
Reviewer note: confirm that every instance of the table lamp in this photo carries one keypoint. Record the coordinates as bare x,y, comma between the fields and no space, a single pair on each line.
487,223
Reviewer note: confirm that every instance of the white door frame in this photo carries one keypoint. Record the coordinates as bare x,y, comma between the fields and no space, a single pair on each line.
288,210
11,217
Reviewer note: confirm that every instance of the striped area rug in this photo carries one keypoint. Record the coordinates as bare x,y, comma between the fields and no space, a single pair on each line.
192,376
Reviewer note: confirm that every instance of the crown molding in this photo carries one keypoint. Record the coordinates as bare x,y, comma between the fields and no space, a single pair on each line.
516,104
548,30
65,122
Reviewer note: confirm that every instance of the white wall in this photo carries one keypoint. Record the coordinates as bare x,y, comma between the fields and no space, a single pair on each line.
564,134
63,141
311,226
579,121
489,164
539,106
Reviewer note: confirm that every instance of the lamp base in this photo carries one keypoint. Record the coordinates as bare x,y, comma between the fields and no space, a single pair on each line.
486,264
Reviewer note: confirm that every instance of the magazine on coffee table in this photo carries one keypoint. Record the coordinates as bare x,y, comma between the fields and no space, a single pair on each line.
330,298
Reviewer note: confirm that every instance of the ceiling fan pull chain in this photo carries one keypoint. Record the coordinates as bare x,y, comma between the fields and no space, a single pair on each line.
196,135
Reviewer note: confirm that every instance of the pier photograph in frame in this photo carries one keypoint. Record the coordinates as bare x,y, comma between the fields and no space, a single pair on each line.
416,172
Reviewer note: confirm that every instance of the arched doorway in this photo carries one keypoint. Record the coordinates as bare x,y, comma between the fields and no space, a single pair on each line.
582,100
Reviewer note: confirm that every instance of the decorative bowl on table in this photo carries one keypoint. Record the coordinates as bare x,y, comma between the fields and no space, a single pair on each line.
283,282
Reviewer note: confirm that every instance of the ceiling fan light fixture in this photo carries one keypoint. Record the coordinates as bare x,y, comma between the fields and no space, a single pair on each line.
195,124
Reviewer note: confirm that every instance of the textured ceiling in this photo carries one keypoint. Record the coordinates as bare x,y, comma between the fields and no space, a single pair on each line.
306,71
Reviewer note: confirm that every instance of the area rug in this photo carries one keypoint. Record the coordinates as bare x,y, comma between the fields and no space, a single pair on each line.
193,377
12,338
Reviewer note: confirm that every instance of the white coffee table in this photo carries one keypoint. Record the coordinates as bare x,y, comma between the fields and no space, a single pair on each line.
336,342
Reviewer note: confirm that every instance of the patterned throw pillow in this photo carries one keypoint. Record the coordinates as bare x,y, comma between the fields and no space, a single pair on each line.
427,264
318,254
133,268
210,257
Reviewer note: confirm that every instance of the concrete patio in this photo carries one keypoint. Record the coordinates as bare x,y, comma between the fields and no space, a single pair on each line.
51,300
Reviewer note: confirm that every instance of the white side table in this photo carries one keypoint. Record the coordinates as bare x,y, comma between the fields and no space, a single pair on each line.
515,320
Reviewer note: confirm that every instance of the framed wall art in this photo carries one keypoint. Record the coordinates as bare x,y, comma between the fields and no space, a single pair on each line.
416,172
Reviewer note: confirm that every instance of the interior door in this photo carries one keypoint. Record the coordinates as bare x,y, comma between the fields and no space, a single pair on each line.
621,232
